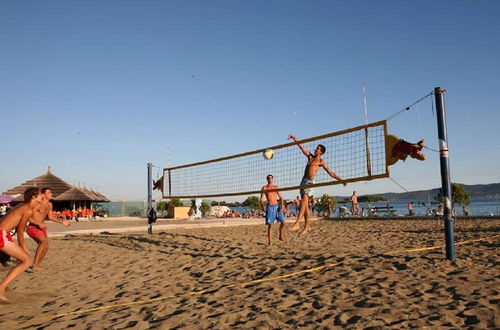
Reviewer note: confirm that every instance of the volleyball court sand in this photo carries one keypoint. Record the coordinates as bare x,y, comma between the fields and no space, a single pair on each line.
139,225
361,275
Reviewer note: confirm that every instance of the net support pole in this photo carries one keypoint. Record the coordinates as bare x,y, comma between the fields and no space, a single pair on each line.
150,198
445,172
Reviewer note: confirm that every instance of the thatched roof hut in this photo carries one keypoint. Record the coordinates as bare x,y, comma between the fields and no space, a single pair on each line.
101,197
57,185
74,194
61,190
97,196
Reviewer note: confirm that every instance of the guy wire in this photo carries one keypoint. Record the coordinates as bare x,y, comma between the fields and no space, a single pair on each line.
410,106
409,193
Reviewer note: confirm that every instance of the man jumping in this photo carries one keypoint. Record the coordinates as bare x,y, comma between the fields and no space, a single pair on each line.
314,162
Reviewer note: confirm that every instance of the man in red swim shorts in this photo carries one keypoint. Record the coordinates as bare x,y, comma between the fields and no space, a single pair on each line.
36,232
20,213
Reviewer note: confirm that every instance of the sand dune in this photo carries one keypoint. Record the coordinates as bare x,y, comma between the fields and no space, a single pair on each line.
354,274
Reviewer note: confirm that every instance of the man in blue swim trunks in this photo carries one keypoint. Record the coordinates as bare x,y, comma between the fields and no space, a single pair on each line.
273,210
314,162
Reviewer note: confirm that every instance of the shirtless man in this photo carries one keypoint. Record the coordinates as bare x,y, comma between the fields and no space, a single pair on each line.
355,205
314,162
329,204
20,213
410,208
273,210
35,232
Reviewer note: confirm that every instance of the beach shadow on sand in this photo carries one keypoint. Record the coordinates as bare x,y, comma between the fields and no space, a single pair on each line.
360,275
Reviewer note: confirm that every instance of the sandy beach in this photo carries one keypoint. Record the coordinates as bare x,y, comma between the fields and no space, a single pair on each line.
344,274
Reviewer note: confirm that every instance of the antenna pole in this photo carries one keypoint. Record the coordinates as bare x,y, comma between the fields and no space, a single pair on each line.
365,102
367,141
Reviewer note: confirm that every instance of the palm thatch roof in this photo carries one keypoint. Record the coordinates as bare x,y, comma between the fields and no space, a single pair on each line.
49,180
101,196
58,188
97,196
74,194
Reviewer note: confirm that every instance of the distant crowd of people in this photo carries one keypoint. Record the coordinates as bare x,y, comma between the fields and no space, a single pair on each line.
244,214
291,209
74,214
64,214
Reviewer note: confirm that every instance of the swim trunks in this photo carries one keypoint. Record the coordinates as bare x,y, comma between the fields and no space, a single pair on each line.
34,231
273,213
306,191
4,237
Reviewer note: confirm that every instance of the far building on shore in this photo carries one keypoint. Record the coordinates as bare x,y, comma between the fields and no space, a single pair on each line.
65,195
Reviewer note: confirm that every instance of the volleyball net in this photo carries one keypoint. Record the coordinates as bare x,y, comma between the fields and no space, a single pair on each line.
355,154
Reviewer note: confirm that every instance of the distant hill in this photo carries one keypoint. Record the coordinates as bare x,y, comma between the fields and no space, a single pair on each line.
474,190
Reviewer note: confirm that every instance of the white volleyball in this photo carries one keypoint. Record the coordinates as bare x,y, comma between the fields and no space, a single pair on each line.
268,154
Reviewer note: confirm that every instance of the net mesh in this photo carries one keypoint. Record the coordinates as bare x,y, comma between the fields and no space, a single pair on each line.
355,154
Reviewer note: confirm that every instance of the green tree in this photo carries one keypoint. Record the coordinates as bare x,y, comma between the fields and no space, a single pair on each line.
253,202
458,195
345,201
162,206
326,203
205,208
370,199
176,202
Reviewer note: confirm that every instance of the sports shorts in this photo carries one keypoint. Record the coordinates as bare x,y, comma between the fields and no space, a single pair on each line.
306,191
34,231
4,237
273,213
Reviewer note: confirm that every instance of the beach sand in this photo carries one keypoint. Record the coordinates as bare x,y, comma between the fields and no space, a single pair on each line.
349,274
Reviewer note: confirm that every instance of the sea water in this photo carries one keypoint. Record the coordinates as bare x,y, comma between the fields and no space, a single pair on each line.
477,207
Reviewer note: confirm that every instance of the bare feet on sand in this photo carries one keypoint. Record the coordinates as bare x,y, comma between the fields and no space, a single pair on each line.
3,298
305,231
33,269
295,226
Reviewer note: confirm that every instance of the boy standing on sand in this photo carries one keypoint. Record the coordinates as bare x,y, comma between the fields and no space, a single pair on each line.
35,232
273,210
22,212
355,205
314,162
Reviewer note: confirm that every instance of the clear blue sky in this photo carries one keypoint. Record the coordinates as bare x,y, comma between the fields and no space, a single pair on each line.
97,89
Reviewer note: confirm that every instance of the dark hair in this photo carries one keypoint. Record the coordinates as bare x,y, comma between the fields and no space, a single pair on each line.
322,147
269,175
43,190
30,193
